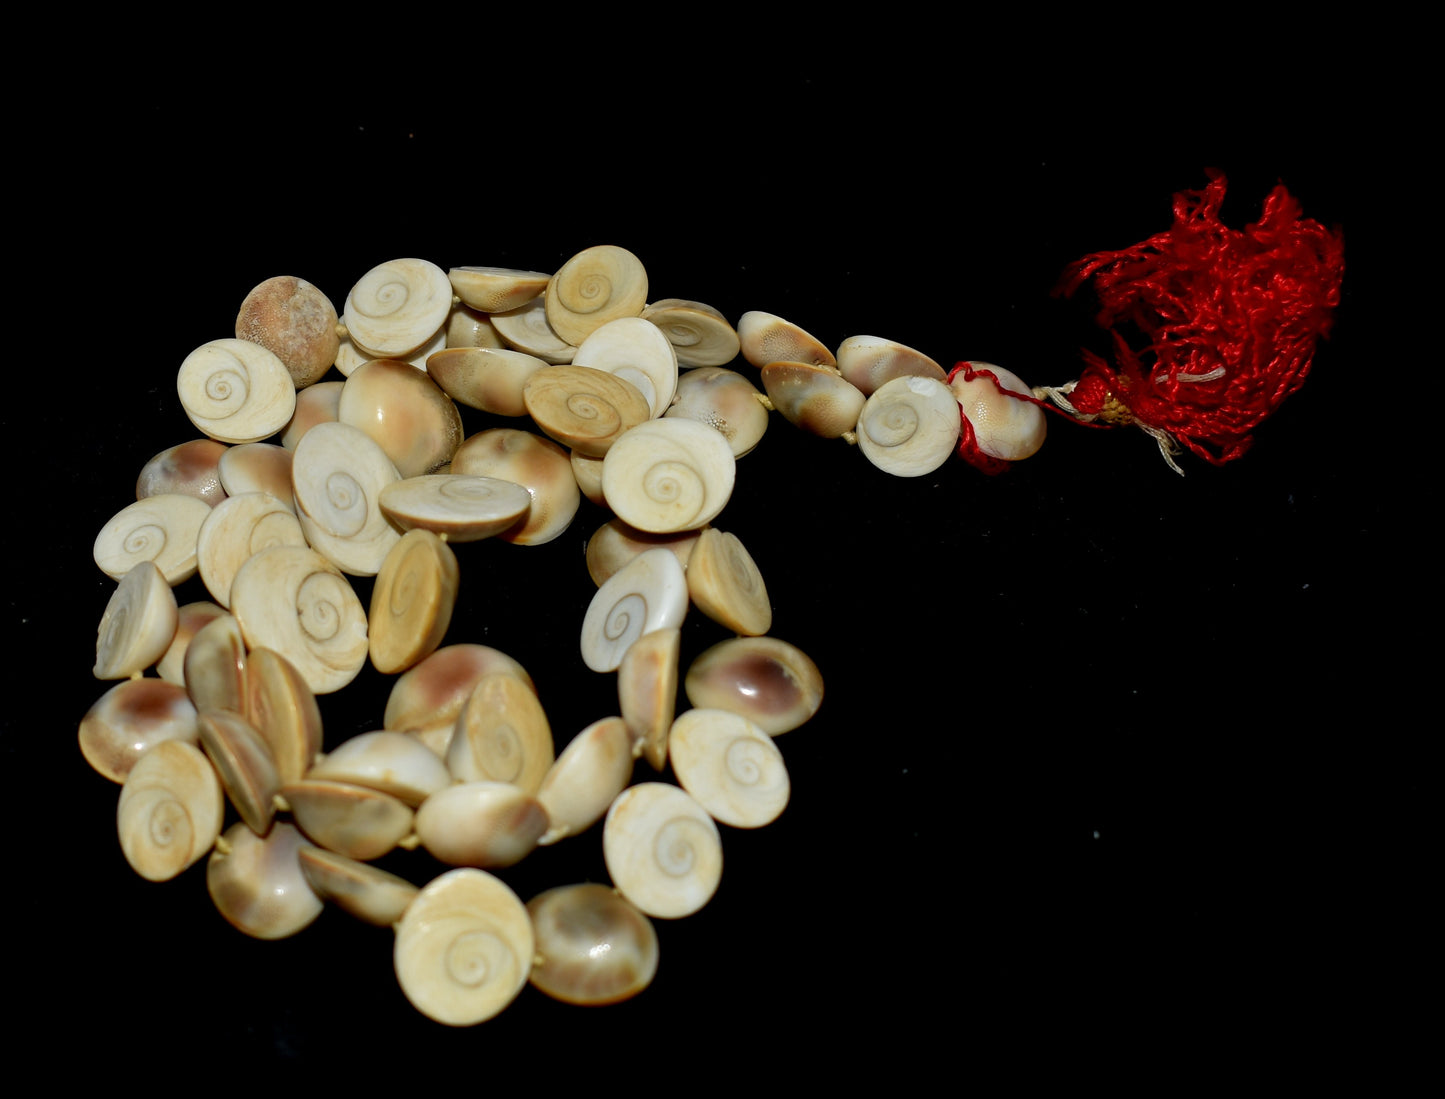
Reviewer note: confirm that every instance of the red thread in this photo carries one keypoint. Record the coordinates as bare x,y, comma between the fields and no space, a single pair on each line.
1247,304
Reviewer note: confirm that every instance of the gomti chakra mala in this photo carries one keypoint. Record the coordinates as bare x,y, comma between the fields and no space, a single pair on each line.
1231,320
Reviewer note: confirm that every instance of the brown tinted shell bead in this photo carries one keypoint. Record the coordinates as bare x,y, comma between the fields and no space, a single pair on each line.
130,719
257,884
537,464
170,810
815,398
593,946
295,322
404,412
771,683
189,469
435,690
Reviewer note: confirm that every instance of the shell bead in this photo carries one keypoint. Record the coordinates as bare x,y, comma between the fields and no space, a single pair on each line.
767,338
296,322
909,427
367,893
730,766
170,810
236,391
662,849
770,682
648,594
237,528
502,735
398,306
725,584
595,286
487,378
394,763
637,351
725,400
138,624
293,600
869,362
350,820
283,709
669,475
131,718
338,474
480,824
815,398
463,508
584,408
189,469
162,528
464,948
243,760
1002,426
257,883
537,464
592,770
593,947
404,412
700,335
411,604
496,289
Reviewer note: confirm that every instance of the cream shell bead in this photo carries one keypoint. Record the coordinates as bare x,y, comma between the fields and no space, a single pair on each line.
724,400
669,475
584,408
350,820
730,766
394,763
243,760
614,544
1002,426
468,328
192,618
592,770
816,399
464,509
398,306
257,883
502,735
700,335
637,351
131,718
283,709
497,289
187,469
486,378
162,528
662,849
257,467
647,692
480,824
526,329
767,338
909,427
725,584
215,666
138,624
411,604
593,947
170,811
293,600
367,893
870,361
539,465
316,404
404,412
239,526
464,948
338,474
595,286
236,391
648,594
435,691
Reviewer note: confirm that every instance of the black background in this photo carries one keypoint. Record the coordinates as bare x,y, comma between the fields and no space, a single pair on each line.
1108,758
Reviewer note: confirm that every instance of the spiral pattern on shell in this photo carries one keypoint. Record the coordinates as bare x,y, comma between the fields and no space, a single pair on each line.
320,602
625,615
274,529
235,391
675,847
410,579
380,293
747,761
144,542
464,948
585,291
226,389
346,505
678,487
892,424
170,810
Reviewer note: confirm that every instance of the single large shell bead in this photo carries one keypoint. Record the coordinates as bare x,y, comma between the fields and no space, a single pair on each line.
649,593
258,885
669,475
138,624
338,474
464,948
909,426
593,946
163,528
662,850
411,604
296,322
1003,427
236,391
171,809
398,306
730,766
595,286
770,682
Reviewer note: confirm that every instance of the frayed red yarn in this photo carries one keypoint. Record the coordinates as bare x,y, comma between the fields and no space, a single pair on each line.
1240,310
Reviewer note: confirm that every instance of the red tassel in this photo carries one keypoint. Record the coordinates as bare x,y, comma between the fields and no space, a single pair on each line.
1232,318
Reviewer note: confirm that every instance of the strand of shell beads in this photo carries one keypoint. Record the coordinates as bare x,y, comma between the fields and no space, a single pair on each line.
465,765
